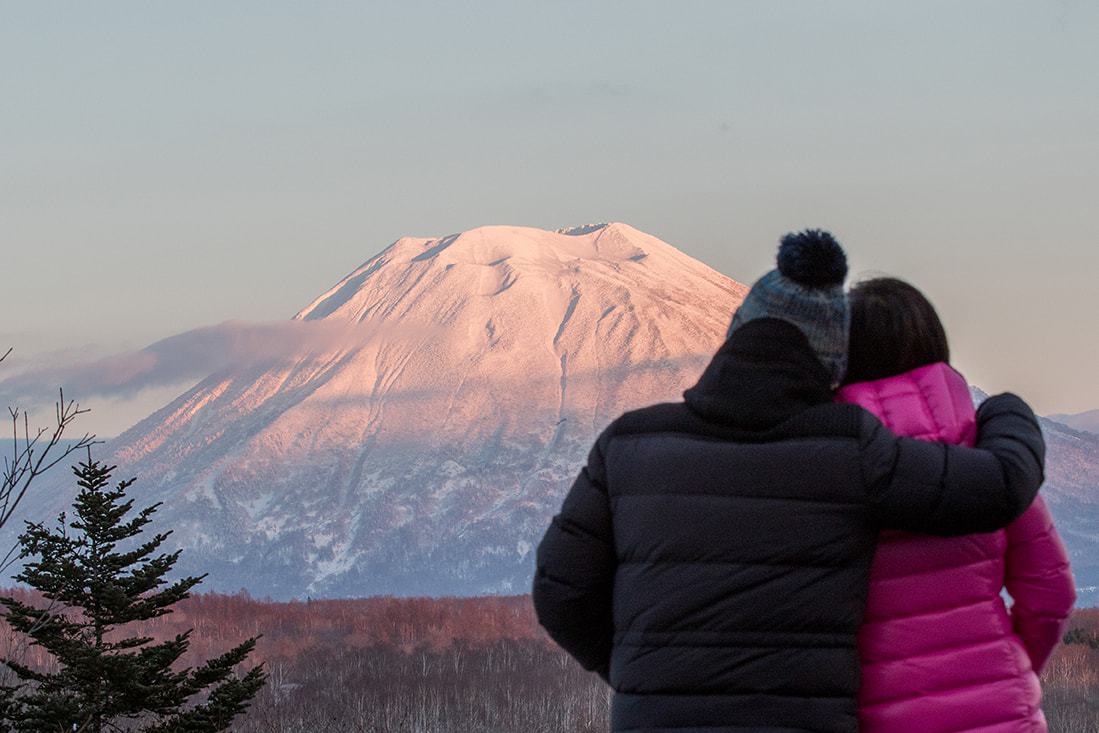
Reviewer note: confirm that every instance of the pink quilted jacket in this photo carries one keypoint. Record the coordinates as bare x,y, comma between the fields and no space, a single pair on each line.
941,652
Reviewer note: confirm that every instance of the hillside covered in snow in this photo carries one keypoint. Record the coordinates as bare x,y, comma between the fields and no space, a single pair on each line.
424,451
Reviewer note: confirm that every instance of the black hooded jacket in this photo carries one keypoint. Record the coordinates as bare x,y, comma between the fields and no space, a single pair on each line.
711,559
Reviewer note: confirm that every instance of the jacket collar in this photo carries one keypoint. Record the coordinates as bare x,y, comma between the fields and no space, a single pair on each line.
932,402
764,374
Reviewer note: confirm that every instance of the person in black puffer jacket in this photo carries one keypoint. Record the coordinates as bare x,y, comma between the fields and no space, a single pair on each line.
710,562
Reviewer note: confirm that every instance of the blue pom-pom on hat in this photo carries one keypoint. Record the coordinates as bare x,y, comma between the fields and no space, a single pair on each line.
812,257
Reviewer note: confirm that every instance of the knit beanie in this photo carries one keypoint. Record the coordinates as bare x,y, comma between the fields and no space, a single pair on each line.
806,289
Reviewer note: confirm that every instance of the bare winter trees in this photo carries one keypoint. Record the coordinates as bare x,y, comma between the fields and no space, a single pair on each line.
464,665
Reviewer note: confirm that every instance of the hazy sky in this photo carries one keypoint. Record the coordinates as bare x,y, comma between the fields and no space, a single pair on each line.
166,166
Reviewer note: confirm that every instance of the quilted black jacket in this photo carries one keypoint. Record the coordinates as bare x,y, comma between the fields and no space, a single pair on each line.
711,559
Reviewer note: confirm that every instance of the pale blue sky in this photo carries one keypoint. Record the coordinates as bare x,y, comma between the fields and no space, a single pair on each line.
165,166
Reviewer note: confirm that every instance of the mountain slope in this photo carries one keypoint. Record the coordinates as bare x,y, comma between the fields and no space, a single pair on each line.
1087,421
424,452
1072,492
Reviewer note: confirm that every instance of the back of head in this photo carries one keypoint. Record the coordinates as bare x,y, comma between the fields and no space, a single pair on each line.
894,329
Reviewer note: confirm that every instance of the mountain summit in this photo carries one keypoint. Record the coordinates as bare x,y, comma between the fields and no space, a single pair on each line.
425,449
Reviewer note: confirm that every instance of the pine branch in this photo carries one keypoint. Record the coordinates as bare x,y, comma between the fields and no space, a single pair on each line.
102,684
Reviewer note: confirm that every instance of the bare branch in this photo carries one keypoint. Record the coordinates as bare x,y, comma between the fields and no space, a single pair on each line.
32,459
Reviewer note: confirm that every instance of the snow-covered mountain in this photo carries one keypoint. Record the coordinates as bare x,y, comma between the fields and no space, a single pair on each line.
1072,492
421,445
425,450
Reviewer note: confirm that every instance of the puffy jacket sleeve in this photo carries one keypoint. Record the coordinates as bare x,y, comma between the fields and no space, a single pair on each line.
950,490
574,569
1040,582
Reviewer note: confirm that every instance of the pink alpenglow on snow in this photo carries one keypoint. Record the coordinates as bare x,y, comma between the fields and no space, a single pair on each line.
941,652
416,440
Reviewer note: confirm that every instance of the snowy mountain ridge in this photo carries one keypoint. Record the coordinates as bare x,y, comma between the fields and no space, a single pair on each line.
421,444
424,452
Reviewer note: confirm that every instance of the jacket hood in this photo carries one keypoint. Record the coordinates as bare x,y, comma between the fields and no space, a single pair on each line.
765,373
931,403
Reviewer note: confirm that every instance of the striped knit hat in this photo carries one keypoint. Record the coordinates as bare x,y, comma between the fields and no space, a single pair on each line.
806,289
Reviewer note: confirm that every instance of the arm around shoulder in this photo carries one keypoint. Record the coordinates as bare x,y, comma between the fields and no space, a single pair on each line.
950,490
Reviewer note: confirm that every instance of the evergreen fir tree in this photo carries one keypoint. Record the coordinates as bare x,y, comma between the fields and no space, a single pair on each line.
96,579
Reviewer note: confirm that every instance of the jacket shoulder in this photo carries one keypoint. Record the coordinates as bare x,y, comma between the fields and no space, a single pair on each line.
829,420
930,402
658,418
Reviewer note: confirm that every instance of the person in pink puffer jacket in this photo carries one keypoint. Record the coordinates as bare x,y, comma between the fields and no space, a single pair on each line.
940,650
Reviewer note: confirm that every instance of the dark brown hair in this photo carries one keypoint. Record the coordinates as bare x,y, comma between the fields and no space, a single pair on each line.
894,329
